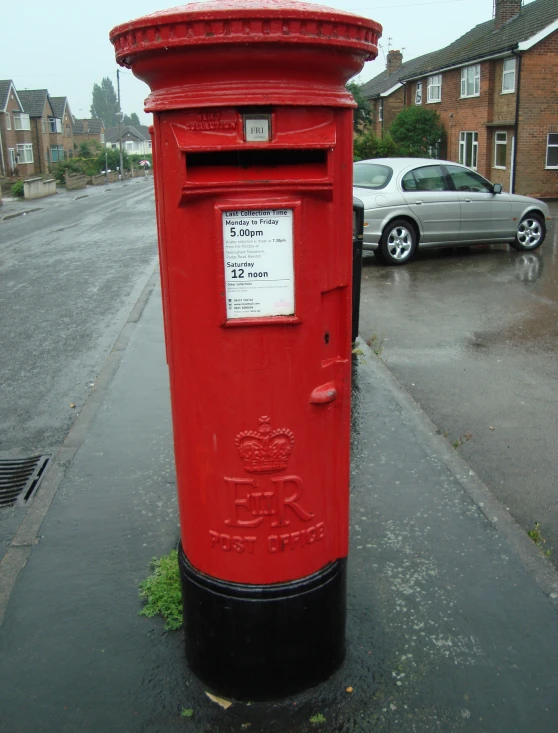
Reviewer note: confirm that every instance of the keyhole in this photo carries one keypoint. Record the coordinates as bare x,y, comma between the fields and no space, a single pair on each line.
326,338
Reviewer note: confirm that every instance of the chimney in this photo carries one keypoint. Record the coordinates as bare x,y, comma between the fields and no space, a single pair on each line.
394,62
505,10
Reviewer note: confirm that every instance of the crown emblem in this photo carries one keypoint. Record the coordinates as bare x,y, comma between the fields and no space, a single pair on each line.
266,450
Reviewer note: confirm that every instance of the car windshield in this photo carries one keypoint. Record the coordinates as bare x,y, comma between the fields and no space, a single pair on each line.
371,175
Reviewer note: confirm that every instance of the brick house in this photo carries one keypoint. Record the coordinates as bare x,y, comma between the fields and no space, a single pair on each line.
16,144
386,92
88,129
46,128
496,91
61,109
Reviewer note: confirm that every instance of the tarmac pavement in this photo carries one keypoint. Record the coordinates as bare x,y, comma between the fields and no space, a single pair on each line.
452,610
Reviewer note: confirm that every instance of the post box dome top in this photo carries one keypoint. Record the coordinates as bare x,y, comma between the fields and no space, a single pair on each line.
247,22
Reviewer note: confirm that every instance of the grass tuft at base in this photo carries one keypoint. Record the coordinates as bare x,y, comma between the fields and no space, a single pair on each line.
161,591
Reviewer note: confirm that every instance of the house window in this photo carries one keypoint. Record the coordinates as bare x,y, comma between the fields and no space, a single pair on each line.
500,149
381,111
43,120
54,124
21,121
469,149
552,150
25,153
56,153
8,121
470,81
418,93
129,144
508,76
434,88
67,130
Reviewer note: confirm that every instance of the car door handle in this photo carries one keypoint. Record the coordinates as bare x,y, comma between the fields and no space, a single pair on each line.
418,203
467,201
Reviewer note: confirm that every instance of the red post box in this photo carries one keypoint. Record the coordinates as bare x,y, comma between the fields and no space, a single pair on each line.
253,172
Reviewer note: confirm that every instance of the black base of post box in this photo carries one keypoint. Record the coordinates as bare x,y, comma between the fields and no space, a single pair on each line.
262,642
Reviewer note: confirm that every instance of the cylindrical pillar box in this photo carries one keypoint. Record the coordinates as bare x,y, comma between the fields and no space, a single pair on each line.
253,171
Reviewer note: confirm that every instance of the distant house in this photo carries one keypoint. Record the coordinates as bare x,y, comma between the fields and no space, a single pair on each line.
16,144
46,128
88,129
496,91
135,140
62,111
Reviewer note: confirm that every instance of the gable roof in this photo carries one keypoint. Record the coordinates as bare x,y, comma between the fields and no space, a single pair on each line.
487,40
34,100
94,126
482,41
59,105
5,86
112,136
384,82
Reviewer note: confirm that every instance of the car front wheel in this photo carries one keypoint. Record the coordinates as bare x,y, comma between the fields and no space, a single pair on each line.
398,243
530,233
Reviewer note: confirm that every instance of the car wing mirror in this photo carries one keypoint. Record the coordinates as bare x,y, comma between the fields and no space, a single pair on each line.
497,188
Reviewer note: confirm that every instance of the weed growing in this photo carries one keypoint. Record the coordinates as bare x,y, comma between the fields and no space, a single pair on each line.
538,539
161,591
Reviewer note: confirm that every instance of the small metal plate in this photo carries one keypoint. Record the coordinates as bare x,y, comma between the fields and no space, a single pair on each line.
257,128
19,478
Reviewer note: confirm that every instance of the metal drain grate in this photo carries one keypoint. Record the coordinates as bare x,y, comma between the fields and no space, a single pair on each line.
20,478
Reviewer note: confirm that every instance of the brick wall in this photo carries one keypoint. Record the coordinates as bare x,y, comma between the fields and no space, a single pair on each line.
392,105
11,138
538,116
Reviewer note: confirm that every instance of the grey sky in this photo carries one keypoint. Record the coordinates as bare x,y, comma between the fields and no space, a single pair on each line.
65,48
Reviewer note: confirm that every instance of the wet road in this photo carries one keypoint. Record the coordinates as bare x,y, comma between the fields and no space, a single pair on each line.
67,277
472,335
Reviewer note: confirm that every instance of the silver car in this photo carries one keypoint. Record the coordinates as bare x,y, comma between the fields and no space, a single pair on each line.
415,202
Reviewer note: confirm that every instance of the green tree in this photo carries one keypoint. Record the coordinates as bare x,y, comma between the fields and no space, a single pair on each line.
368,145
132,120
362,116
105,105
89,149
417,131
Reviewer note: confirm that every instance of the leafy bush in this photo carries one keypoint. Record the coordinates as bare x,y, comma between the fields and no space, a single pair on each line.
368,145
417,132
17,189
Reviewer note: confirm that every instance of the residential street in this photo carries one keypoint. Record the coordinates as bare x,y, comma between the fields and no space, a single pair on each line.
70,274
472,335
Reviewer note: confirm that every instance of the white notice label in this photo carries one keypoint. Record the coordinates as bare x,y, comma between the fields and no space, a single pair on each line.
259,270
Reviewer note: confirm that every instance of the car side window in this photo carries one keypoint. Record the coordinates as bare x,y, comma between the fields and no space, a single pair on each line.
465,180
427,178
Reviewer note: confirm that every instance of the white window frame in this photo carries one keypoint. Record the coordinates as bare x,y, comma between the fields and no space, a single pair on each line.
498,143
470,75
381,111
24,149
56,123
23,119
418,93
8,121
434,82
44,123
463,150
551,145
507,73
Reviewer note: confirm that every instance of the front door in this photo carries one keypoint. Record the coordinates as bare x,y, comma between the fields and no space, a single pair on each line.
427,194
12,159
